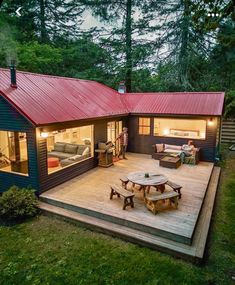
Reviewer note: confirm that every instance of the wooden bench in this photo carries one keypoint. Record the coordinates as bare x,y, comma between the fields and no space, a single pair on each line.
151,202
119,191
124,181
175,187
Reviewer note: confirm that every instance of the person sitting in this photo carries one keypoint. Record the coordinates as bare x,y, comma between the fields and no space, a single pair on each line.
187,150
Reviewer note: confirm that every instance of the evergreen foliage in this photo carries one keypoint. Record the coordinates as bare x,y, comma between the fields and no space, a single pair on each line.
17,204
156,46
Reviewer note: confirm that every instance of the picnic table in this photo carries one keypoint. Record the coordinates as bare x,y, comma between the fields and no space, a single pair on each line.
154,179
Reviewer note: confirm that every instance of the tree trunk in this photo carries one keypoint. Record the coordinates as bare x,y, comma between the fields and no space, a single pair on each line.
128,34
42,22
183,56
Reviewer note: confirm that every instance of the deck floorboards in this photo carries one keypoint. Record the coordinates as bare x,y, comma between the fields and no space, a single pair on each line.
91,191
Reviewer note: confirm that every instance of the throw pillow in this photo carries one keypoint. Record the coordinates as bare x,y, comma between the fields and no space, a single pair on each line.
70,148
172,146
160,147
86,151
59,147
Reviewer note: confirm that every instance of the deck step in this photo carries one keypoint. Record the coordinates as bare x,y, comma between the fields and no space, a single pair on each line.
203,225
116,220
144,239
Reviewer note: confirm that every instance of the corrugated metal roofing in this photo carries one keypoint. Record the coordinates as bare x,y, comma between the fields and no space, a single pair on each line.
48,99
45,99
178,103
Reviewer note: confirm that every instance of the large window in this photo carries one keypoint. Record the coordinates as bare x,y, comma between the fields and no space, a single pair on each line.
144,126
181,128
69,146
13,152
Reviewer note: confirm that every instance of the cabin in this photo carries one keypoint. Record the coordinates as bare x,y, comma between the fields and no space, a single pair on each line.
44,116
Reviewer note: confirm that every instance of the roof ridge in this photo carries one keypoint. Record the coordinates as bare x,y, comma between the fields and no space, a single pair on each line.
175,93
50,75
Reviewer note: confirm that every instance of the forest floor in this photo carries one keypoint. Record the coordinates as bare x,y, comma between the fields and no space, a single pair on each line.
45,250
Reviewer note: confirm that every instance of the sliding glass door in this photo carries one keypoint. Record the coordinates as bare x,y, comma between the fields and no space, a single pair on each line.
114,128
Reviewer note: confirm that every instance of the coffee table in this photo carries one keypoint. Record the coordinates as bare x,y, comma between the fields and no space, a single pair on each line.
170,162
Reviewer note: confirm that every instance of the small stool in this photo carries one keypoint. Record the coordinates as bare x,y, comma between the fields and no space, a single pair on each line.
124,181
53,162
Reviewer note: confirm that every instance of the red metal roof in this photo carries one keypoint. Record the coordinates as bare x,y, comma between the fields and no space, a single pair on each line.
178,103
46,99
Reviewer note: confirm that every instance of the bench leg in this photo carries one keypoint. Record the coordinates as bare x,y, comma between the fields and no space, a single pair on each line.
132,202
128,202
125,203
155,208
111,194
179,191
152,206
174,200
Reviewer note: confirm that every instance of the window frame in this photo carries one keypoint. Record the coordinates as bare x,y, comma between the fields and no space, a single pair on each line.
27,147
144,126
76,162
180,137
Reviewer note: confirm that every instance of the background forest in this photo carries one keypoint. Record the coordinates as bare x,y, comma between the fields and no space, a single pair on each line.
174,45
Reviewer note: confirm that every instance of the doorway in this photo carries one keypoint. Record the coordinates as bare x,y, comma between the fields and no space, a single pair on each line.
114,128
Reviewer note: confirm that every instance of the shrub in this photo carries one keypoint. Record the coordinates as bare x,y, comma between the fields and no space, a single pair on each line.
18,204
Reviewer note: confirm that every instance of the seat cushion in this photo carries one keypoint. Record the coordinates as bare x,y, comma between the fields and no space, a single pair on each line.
75,157
59,146
60,155
71,148
167,150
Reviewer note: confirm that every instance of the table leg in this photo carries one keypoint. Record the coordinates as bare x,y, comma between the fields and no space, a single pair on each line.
144,189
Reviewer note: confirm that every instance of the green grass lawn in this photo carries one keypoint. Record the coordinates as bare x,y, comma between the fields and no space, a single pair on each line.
45,250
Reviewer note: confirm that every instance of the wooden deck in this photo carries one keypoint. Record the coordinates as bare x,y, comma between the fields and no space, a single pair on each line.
89,194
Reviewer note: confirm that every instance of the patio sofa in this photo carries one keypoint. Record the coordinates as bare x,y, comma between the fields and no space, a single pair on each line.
162,150
69,153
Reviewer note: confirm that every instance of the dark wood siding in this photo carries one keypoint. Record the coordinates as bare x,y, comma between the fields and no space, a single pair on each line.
12,120
56,178
143,143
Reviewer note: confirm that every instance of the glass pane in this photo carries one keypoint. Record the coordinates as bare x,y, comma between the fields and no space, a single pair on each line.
193,129
13,152
69,146
144,126
144,130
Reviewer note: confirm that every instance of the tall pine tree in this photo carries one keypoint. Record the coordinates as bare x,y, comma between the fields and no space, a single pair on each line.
46,20
129,36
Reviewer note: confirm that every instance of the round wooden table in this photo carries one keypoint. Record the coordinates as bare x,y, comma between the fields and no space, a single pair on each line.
154,179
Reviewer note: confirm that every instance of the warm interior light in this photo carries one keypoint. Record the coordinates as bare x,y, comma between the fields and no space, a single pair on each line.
166,132
210,122
44,135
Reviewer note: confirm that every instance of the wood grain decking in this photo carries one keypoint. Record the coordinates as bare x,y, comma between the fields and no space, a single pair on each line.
89,194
